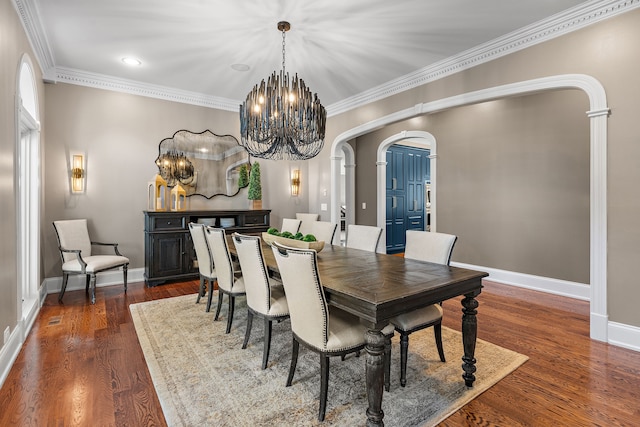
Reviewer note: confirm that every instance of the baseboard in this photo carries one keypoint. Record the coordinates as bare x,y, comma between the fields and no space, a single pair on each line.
108,278
537,283
9,353
624,336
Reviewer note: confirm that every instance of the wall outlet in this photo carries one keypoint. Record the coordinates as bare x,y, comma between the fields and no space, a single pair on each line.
7,334
323,206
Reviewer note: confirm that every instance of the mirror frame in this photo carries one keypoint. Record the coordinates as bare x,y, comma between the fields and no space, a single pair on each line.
216,160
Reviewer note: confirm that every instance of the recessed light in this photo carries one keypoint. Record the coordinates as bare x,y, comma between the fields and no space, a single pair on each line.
131,61
240,67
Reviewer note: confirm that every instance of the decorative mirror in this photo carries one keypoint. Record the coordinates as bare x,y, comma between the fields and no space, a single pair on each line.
205,164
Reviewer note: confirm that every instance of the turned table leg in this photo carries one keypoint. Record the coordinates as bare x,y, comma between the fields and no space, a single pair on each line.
375,377
469,334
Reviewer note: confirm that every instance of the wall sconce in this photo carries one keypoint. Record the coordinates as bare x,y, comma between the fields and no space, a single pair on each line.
295,182
78,172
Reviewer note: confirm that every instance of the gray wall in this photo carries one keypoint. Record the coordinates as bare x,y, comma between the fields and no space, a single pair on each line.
120,134
607,51
513,182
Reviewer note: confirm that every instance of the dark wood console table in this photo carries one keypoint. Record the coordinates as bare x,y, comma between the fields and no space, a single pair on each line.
168,250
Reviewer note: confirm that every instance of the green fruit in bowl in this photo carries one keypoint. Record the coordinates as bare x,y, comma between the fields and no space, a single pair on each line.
309,238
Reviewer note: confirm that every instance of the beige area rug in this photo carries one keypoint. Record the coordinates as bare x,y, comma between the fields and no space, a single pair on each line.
204,378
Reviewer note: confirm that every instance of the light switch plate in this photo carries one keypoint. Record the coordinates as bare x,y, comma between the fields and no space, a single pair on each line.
323,206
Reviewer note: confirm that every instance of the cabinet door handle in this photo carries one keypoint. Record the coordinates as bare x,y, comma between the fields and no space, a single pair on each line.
415,205
393,202
394,184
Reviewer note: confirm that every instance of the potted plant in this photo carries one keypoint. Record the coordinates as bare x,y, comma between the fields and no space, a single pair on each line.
255,188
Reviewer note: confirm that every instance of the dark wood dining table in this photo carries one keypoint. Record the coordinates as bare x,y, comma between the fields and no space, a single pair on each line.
376,287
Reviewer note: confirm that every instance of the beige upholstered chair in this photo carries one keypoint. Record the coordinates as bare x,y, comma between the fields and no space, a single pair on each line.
363,237
307,221
290,225
77,258
431,247
323,329
228,283
265,296
323,230
205,263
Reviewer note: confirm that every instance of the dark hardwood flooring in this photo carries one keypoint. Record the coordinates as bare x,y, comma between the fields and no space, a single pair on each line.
82,365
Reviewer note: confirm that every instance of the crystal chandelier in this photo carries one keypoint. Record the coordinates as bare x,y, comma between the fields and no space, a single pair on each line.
282,119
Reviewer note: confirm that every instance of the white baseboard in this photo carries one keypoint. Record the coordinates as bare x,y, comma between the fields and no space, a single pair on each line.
537,283
624,336
601,328
9,352
108,278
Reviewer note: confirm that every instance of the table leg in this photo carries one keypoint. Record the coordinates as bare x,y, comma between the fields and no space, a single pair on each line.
469,334
375,377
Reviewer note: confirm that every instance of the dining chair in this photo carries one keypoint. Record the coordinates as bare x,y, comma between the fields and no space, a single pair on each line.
78,259
307,221
228,282
265,296
431,247
323,230
323,329
363,237
205,263
291,225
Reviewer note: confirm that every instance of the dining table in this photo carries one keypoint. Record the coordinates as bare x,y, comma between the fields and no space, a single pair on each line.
376,287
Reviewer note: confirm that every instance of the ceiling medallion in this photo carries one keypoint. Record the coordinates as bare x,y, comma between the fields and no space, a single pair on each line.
282,120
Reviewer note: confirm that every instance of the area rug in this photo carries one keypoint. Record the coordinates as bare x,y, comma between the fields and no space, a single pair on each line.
204,378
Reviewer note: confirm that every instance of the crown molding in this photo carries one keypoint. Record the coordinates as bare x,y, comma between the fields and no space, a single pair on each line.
562,23
101,81
30,18
556,25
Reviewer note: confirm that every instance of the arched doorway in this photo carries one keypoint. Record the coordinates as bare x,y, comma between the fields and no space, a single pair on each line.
597,114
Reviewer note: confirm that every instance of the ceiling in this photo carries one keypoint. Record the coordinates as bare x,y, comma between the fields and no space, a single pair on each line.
341,48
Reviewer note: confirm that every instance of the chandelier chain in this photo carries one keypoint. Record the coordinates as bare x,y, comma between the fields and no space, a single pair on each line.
283,50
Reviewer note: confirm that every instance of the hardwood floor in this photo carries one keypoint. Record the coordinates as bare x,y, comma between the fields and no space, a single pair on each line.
82,365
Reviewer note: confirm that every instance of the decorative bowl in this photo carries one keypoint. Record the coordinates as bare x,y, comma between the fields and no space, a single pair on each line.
293,243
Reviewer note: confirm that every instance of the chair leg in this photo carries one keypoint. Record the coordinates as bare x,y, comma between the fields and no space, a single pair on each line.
247,334
220,295
211,296
404,349
437,329
232,303
65,279
387,363
267,342
324,385
93,289
201,289
124,275
294,361
87,280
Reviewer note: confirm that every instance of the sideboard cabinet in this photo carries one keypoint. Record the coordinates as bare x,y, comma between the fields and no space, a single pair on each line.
168,249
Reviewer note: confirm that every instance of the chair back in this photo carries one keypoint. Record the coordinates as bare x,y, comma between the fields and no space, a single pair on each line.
307,222
429,246
290,225
324,230
221,257
363,237
73,234
254,272
307,304
205,264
